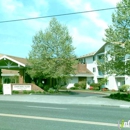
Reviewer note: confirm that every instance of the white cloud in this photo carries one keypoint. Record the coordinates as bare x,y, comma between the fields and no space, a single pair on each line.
41,3
84,42
36,25
112,2
83,38
79,38
15,9
10,6
86,6
33,14
95,18
92,19
75,5
19,35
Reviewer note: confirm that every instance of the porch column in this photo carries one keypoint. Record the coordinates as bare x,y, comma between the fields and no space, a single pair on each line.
21,76
0,76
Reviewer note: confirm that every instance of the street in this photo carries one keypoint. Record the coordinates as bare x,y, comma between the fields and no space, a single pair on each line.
43,116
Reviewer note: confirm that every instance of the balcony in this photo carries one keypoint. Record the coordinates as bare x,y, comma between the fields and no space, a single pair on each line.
100,58
100,72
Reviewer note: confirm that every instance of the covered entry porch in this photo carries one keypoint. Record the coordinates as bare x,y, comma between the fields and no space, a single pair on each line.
12,69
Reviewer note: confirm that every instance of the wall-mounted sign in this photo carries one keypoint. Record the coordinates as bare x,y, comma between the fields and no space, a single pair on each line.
21,87
7,89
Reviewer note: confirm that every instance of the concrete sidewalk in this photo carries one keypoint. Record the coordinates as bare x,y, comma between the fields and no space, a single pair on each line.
89,100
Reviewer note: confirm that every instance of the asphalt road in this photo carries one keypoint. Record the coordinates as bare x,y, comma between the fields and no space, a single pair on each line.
41,116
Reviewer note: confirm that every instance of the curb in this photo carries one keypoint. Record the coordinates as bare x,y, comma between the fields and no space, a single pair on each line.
124,106
103,105
120,106
91,92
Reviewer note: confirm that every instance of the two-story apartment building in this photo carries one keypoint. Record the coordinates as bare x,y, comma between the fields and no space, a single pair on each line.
114,81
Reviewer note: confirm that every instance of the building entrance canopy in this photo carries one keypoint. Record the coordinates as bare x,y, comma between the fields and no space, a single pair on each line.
8,62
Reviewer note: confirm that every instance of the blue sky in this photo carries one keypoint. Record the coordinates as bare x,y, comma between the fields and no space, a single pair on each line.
87,30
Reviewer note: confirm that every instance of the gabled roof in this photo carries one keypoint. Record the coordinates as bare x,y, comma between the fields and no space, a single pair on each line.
101,49
93,53
81,69
87,55
18,60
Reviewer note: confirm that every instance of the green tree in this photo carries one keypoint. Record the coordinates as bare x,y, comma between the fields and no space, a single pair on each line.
118,41
52,54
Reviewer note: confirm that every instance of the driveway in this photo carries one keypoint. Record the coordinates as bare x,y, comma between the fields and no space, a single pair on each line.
79,98
73,93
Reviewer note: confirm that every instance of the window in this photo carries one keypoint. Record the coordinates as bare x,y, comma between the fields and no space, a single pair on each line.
100,71
82,61
94,69
107,83
93,58
100,57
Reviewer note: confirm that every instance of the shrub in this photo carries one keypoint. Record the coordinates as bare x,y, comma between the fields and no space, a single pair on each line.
123,96
40,85
112,95
1,88
83,85
25,92
91,88
15,92
95,86
44,92
104,89
120,96
89,82
117,95
103,81
51,90
38,92
124,88
63,88
113,90
32,91
46,87
128,98
74,88
76,85
100,84
57,87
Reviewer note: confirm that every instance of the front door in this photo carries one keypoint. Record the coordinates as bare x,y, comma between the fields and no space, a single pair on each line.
82,79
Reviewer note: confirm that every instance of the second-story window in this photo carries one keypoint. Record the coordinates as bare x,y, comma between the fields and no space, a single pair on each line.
83,60
94,69
100,57
93,58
